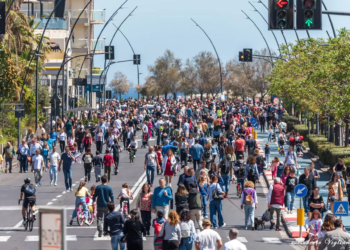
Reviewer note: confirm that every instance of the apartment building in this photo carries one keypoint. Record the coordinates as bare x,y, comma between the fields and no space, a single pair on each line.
81,43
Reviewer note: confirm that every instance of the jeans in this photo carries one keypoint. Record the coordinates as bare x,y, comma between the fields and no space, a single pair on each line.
195,162
24,164
97,172
249,214
290,200
45,162
53,174
101,213
216,207
186,244
306,202
99,146
115,242
62,145
38,174
226,178
222,155
211,131
67,178
267,158
150,174
85,209
230,140
87,168
204,204
269,137
146,219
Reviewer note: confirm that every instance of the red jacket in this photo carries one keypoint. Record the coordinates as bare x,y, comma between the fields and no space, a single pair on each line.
108,160
277,196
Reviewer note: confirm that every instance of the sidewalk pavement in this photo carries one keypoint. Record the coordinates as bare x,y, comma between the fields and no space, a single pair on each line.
290,220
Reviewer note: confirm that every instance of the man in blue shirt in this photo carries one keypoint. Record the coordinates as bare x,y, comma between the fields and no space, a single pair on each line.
161,197
103,194
53,136
115,221
189,112
24,151
196,151
202,140
67,158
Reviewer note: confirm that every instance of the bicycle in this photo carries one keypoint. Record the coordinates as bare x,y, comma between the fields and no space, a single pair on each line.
30,217
81,216
125,210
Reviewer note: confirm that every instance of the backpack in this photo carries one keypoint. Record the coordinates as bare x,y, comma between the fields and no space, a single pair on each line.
88,159
207,154
29,190
250,171
241,169
158,243
222,146
185,230
248,200
225,165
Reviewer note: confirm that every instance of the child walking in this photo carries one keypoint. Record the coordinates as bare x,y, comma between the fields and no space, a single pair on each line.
274,166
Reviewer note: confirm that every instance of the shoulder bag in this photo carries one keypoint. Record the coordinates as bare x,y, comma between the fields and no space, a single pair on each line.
216,195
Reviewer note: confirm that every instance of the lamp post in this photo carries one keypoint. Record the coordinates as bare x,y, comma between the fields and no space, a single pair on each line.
37,51
215,52
93,52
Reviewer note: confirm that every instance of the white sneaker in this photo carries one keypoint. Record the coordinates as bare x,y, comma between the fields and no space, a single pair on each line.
67,190
224,225
144,238
71,189
86,222
55,184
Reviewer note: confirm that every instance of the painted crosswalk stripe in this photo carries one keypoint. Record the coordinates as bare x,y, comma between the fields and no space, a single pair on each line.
4,238
272,240
101,238
36,238
241,239
32,238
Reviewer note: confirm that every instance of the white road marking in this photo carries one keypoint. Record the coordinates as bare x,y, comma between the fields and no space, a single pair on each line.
4,238
49,203
241,239
74,185
71,238
54,199
32,238
272,240
63,192
58,196
101,238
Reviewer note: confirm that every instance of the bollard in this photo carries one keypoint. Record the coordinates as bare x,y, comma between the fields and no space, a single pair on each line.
300,219
255,135
253,131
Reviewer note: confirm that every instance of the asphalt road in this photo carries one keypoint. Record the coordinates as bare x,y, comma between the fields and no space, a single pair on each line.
13,236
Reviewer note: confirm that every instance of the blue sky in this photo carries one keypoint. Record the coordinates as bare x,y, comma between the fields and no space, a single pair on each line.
157,25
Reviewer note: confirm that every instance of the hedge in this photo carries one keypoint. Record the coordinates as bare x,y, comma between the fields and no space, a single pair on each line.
327,151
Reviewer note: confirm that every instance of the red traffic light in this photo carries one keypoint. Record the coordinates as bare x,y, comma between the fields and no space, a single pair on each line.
309,3
282,3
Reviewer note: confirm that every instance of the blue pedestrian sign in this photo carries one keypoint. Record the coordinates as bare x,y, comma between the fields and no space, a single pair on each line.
300,190
341,208
254,122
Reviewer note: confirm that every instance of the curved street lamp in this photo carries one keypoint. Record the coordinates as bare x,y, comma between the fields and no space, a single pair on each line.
215,52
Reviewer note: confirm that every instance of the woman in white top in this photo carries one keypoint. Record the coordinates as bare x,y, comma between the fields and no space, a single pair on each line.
190,140
62,136
71,139
188,231
336,185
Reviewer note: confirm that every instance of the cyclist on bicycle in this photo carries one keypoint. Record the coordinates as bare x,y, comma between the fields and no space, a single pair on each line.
28,190
133,146
239,168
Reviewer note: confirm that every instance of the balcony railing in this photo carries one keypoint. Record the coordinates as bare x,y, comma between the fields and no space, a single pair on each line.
98,16
100,45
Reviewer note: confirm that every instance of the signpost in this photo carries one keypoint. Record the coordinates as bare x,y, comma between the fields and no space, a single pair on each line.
341,208
275,100
300,191
52,229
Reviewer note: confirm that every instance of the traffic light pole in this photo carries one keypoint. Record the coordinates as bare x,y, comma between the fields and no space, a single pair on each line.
267,25
98,37
330,19
260,33
215,52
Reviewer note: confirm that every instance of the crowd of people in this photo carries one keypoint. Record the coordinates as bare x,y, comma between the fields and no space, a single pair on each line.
212,141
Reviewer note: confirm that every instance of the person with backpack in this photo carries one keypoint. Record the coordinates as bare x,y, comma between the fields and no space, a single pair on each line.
97,163
240,172
28,192
188,231
291,159
87,159
260,162
226,170
251,170
249,201
195,204
171,231
157,224
208,154
222,145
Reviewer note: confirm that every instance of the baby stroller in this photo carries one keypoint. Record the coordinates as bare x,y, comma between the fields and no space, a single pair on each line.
144,140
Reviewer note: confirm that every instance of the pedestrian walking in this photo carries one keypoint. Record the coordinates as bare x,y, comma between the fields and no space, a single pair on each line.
234,243
99,140
151,163
169,166
195,205
196,151
162,195
188,231
291,183
88,162
108,163
133,230
249,201
114,221
54,159
172,232
310,182
144,203
275,200
97,163
23,152
215,205
38,165
251,170
226,170
9,155
332,237
208,238
181,198
103,194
